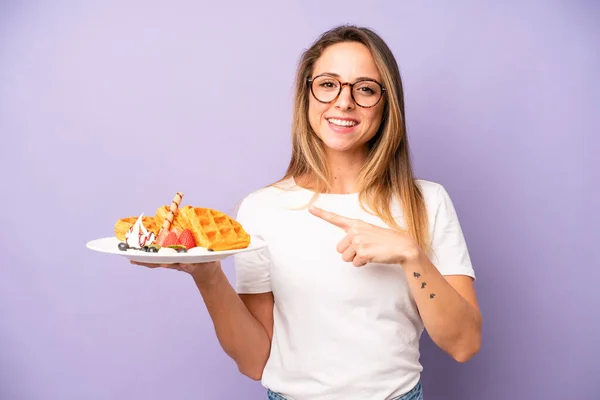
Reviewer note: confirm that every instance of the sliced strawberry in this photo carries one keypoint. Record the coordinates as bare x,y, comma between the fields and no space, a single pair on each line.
170,240
186,239
161,237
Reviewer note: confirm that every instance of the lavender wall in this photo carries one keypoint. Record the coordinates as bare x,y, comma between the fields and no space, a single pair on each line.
502,104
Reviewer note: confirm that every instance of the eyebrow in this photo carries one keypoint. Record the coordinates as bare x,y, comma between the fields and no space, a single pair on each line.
338,76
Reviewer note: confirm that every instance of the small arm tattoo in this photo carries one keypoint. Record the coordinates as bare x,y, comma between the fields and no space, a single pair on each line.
423,285
432,295
416,274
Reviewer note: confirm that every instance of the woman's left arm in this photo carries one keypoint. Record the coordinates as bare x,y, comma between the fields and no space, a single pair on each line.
447,303
448,307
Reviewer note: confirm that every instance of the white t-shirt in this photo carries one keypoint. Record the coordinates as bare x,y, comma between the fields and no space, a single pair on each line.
340,332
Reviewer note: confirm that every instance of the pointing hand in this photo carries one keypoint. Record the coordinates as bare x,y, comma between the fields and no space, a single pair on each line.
367,243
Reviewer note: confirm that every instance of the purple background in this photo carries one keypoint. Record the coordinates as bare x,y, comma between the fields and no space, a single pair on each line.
502,108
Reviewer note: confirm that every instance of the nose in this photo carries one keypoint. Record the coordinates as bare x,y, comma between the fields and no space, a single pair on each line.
344,100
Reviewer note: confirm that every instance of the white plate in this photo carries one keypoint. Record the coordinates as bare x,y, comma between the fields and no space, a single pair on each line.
109,245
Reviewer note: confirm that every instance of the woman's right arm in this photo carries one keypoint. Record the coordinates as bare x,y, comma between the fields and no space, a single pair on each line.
243,322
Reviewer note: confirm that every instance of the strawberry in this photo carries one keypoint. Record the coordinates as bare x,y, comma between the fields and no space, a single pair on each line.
186,239
171,239
161,237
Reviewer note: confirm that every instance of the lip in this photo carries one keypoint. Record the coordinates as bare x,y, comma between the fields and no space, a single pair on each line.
342,118
342,129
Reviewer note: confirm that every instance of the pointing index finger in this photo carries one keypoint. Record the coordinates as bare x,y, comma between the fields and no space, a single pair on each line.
332,218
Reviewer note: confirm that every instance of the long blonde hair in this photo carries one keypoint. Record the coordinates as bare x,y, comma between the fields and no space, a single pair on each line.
387,173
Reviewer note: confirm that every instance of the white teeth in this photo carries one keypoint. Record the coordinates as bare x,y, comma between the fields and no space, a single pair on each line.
341,122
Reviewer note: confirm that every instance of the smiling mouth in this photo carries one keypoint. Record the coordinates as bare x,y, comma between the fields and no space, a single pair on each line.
342,122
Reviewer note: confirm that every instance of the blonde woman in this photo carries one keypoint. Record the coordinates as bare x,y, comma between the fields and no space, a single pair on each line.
335,307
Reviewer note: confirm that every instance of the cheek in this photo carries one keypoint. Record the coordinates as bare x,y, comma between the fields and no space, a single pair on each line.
375,119
315,114
371,120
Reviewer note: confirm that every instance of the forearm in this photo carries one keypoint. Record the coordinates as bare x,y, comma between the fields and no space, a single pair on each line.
452,322
241,336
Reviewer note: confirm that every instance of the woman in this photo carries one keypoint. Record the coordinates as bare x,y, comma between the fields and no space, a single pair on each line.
335,306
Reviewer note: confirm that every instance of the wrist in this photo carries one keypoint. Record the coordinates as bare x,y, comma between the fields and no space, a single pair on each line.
207,274
409,249
411,256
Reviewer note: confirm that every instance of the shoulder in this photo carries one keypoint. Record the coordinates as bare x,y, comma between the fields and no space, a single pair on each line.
437,199
432,191
441,211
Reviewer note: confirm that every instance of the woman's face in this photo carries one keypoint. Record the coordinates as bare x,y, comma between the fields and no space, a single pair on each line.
342,125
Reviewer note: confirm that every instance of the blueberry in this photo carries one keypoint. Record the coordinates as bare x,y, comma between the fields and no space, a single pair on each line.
123,246
182,250
152,249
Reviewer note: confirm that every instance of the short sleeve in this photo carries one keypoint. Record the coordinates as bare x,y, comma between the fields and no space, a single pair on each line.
449,251
252,268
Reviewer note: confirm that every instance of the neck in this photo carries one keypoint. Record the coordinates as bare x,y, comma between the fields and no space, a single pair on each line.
345,168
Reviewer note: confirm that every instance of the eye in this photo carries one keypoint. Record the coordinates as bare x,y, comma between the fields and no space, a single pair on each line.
328,84
367,88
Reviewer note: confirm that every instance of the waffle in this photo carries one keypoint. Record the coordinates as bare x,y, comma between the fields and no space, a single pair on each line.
213,229
178,223
123,225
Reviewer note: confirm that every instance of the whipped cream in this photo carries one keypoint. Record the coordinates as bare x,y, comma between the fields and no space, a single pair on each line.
198,250
138,236
167,250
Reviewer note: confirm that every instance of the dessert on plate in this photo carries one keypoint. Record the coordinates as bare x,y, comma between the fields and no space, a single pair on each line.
173,229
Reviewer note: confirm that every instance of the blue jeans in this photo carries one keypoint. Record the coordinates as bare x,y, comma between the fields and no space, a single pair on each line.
416,393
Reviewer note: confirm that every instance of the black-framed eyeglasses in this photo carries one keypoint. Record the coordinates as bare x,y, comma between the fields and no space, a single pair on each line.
366,93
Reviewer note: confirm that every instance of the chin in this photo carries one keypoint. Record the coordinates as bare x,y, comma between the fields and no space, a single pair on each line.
338,144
